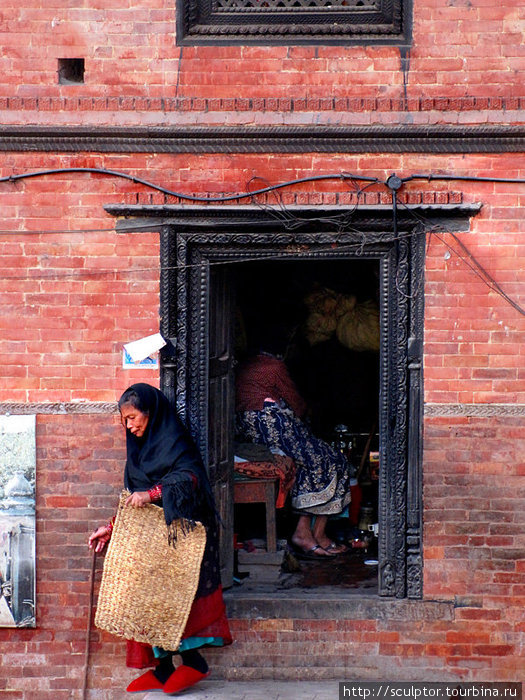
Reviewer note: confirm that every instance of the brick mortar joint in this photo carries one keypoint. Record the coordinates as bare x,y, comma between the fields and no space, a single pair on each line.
474,410
263,104
110,407
58,407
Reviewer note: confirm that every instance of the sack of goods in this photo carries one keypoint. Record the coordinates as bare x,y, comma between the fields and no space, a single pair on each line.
359,329
356,324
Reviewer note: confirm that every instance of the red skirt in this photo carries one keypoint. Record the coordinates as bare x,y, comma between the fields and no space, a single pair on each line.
207,619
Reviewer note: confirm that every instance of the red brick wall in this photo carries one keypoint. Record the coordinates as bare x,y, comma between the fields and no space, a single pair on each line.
131,51
68,301
71,299
474,553
79,473
474,472
61,340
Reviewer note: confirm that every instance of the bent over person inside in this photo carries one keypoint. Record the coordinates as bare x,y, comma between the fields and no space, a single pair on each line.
270,411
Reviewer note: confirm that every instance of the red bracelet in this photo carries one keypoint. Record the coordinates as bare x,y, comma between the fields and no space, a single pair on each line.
155,493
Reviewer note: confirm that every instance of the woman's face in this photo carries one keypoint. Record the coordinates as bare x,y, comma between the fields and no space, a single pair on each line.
134,420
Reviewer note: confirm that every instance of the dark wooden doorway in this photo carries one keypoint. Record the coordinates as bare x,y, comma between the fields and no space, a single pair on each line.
196,238
196,305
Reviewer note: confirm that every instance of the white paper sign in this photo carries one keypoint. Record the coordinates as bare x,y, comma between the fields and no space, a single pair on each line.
140,349
146,363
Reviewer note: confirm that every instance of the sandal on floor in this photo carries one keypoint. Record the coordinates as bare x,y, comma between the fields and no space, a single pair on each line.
310,553
334,548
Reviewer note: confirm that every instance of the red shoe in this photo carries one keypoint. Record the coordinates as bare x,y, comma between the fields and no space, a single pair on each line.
183,677
148,681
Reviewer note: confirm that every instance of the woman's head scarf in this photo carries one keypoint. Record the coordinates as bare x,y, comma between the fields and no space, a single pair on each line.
166,455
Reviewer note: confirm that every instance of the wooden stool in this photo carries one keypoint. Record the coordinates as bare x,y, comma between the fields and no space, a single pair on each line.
260,491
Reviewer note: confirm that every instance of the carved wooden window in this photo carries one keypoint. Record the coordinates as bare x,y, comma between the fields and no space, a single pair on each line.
292,21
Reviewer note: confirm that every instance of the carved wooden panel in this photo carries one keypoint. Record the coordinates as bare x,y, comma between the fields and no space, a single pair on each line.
220,409
400,401
291,21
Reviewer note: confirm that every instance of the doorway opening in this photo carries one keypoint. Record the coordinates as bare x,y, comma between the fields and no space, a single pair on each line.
204,254
200,249
329,312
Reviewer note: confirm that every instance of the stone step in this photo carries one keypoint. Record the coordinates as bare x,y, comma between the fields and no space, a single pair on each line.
258,690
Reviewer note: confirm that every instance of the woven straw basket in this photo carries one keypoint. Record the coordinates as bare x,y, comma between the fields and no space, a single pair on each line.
148,586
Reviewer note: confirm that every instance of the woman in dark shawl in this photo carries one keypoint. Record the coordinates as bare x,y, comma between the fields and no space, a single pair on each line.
164,466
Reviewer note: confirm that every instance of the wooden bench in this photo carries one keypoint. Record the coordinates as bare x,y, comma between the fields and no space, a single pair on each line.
247,490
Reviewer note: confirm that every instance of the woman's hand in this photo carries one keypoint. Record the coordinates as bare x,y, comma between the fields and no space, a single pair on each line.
138,499
99,539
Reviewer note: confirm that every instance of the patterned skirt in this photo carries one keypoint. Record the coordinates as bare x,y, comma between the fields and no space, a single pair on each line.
322,483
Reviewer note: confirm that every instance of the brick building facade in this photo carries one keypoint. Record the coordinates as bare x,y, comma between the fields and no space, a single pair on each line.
98,103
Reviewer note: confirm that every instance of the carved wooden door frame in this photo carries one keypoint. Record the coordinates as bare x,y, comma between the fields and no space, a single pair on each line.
193,237
186,256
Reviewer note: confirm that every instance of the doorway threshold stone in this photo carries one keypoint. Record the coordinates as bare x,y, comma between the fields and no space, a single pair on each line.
268,602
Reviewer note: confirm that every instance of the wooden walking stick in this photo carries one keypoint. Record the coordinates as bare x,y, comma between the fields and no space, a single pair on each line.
88,624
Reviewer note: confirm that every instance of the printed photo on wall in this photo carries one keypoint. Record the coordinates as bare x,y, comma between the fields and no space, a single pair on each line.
17,521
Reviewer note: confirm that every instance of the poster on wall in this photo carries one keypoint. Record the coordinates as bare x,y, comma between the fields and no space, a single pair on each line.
17,521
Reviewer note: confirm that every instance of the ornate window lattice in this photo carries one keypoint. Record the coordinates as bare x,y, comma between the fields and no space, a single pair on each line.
291,21
296,6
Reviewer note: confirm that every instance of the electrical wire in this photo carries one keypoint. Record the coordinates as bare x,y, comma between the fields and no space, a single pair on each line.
464,178
180,195
487,278
468,259
288,219
291,221
343,175
79,274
